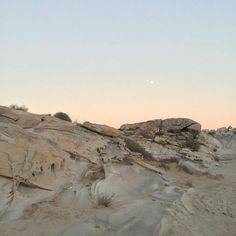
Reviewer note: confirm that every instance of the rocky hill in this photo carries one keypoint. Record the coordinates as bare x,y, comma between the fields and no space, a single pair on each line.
160,177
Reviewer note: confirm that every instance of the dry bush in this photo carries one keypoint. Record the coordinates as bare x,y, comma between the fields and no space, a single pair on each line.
19,108
63,116
105,200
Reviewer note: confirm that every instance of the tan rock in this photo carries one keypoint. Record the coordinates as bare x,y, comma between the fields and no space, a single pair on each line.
29,157
154,127
102,129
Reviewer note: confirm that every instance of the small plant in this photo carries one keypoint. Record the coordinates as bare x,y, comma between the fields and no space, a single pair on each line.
63,116
19,108
105,200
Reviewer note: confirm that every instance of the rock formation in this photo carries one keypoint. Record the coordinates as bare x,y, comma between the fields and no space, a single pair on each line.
61,178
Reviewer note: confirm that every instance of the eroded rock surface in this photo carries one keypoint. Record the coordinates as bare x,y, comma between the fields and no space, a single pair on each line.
62,178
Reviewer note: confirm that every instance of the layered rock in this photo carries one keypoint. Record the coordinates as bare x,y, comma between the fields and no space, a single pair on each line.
69,171
104,130
152,128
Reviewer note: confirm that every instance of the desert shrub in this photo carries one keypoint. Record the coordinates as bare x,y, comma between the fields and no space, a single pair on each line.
19,108
105,200
63,116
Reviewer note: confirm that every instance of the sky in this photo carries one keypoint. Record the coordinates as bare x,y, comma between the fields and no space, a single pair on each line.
115,62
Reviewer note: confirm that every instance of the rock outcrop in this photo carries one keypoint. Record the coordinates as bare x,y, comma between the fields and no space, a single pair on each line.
62,174
102,129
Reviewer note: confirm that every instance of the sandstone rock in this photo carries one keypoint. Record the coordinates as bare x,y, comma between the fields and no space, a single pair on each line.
152,128
180,124
147,129
23,119
29,157
79,163
192,168
102,129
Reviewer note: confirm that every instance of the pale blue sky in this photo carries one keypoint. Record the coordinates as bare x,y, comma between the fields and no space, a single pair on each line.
95,59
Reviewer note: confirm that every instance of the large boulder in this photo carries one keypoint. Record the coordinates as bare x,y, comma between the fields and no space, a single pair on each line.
164,138
152,128
180,124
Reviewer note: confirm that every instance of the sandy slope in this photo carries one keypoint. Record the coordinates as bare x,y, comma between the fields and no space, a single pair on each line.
208,209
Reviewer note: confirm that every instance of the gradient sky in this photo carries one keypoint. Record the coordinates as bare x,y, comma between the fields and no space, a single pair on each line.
121,61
